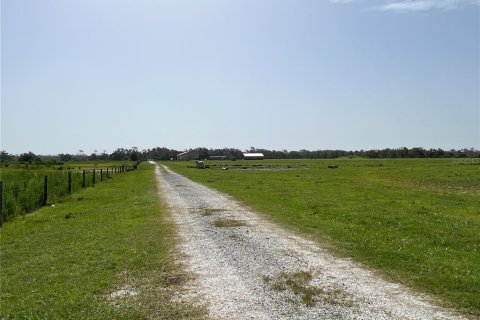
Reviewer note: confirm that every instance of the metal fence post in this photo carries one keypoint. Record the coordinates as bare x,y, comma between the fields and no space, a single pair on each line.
93,179
45,191
84,184
101,174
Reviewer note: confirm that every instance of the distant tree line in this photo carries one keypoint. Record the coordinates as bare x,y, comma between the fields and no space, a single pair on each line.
375,153
162,153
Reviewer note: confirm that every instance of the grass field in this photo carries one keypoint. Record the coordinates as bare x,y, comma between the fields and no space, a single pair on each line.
72,261
67,165
23,184
414,220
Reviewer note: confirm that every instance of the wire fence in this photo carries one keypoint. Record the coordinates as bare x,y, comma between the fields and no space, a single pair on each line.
25,192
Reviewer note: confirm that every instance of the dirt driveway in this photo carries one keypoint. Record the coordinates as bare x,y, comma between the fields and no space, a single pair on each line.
246,267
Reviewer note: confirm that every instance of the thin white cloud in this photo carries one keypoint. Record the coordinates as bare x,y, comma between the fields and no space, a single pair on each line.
415,5
343,1
423,5
346,1
407,6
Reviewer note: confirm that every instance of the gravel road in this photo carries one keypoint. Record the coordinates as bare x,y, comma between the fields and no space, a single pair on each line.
246,267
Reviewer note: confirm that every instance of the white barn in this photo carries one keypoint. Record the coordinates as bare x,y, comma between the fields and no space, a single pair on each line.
189,155
253,156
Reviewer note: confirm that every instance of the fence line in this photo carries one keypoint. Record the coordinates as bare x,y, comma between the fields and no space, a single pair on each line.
20,199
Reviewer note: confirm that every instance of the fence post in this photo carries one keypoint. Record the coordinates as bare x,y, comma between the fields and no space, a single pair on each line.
69,182
107,174
45,190
93,180
1,203
101,174
84,184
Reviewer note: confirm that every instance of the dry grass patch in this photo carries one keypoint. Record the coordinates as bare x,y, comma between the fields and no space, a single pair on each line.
229,223
299,283
210,212
335,295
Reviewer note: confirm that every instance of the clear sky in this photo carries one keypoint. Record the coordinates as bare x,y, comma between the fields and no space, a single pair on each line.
276,74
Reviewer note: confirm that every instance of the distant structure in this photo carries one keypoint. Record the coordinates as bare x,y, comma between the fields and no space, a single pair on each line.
201,164
189,155
253,156
217,158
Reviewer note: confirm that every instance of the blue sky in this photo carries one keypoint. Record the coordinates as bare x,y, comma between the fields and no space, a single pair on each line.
277,74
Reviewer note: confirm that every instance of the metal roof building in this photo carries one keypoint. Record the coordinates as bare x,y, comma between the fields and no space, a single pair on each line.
217,158
189,155
253,156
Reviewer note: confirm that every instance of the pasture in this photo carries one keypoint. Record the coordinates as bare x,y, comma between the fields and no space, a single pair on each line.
23,185
413,220
103,253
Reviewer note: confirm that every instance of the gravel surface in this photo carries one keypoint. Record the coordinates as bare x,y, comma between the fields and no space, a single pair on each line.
246,267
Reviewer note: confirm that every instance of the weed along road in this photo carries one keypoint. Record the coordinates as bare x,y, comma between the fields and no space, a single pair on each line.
245,267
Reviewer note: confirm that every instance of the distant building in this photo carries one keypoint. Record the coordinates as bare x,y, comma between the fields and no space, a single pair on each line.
189,155
253,156
217,158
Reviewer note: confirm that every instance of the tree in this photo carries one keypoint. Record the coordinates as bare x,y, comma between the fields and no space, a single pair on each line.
65,157
28,157
5,156
104,155
134,154
119,154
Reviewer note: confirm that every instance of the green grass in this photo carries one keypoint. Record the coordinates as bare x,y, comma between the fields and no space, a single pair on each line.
67,165
23,184
63,262
415,220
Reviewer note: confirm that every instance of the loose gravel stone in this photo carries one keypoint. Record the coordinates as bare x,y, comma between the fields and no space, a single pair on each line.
248,271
